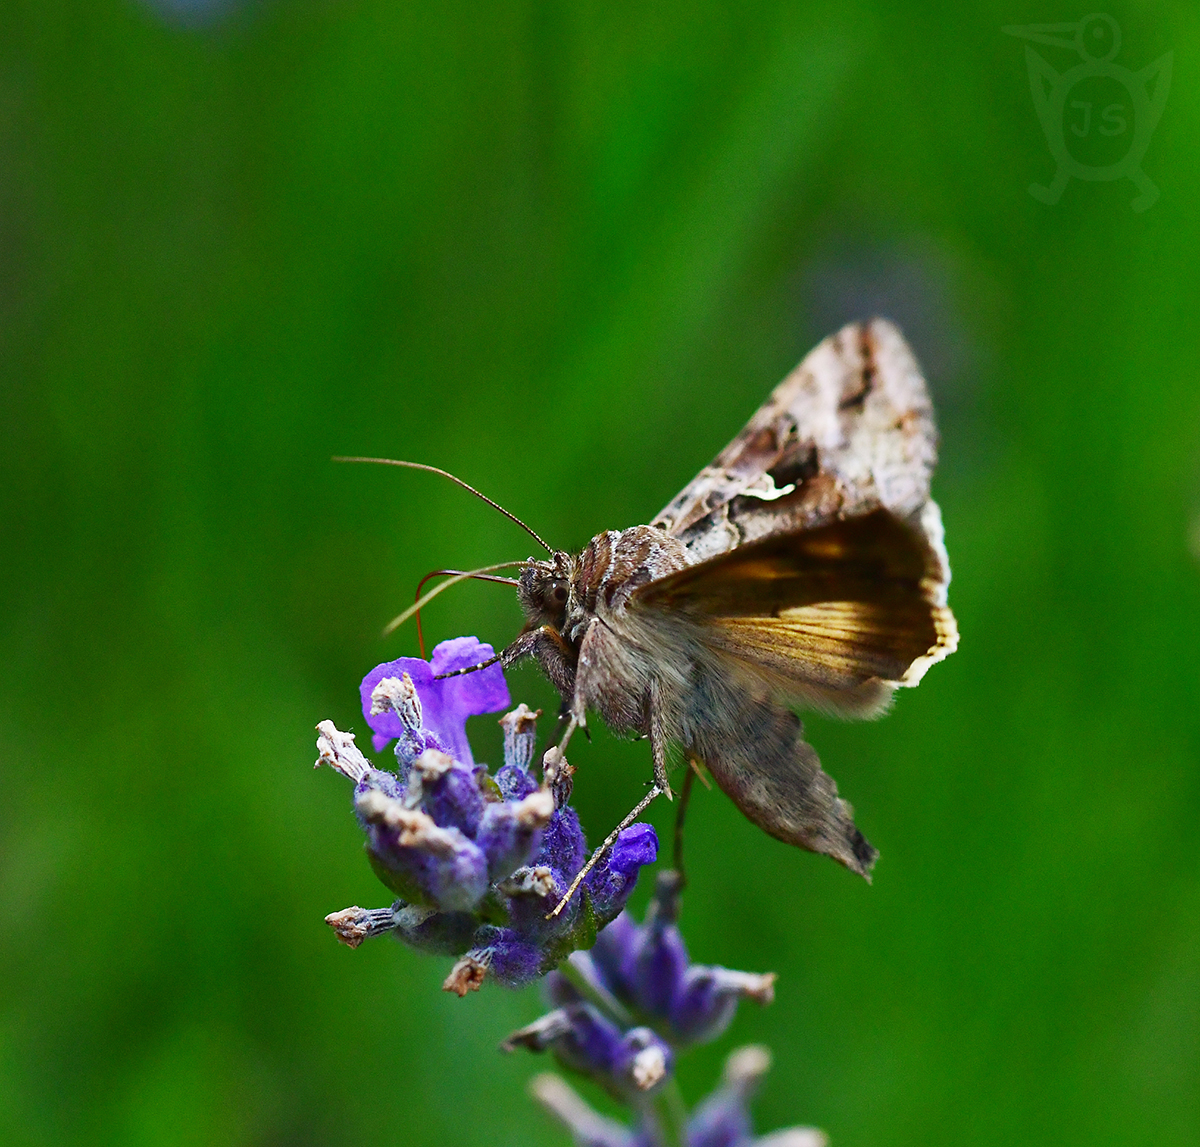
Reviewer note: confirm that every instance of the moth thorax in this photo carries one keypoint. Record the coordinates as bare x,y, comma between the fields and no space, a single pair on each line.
615,563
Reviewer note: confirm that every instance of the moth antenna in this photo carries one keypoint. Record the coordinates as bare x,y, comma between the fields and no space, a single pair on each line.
421,602
466,486
439,573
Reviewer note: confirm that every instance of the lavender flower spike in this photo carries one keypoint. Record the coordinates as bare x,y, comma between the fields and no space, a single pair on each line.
478,862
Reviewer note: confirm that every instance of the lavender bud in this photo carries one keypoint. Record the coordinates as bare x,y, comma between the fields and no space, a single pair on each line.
563,846
723,1119
587,1128
438,933
652,966
515,959
648,1059
612,880
583,1040
540,1034
605,963
428,769
515,783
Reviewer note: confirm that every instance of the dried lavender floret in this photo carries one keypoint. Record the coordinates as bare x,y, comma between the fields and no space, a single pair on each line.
520,737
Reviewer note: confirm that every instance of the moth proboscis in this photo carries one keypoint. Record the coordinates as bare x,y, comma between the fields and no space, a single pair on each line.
804,568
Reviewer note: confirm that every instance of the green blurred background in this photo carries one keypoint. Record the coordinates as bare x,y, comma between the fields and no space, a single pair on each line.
565,249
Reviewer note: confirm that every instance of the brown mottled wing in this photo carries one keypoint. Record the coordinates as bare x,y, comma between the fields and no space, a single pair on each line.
849,430
758,755
848,435
833,617
817,576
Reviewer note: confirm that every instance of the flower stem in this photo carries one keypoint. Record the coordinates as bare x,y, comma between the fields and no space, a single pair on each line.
666,1107
594,993
672,1114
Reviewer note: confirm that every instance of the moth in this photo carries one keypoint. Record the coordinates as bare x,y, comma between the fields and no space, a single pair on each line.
804,569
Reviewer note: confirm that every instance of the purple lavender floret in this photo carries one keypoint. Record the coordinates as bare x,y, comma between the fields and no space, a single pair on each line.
445,704
646,967
478,862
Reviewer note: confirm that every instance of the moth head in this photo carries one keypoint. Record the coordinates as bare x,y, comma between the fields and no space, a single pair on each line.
544,589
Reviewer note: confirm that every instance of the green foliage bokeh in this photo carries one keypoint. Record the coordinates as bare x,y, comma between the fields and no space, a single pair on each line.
565,250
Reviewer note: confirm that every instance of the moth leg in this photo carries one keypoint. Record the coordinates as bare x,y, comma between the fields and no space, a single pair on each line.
560,722
470,668
607,843
550,650
658,741
559,750
680,813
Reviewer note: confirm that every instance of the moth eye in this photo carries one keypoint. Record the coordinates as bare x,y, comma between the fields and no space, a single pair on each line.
559,594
